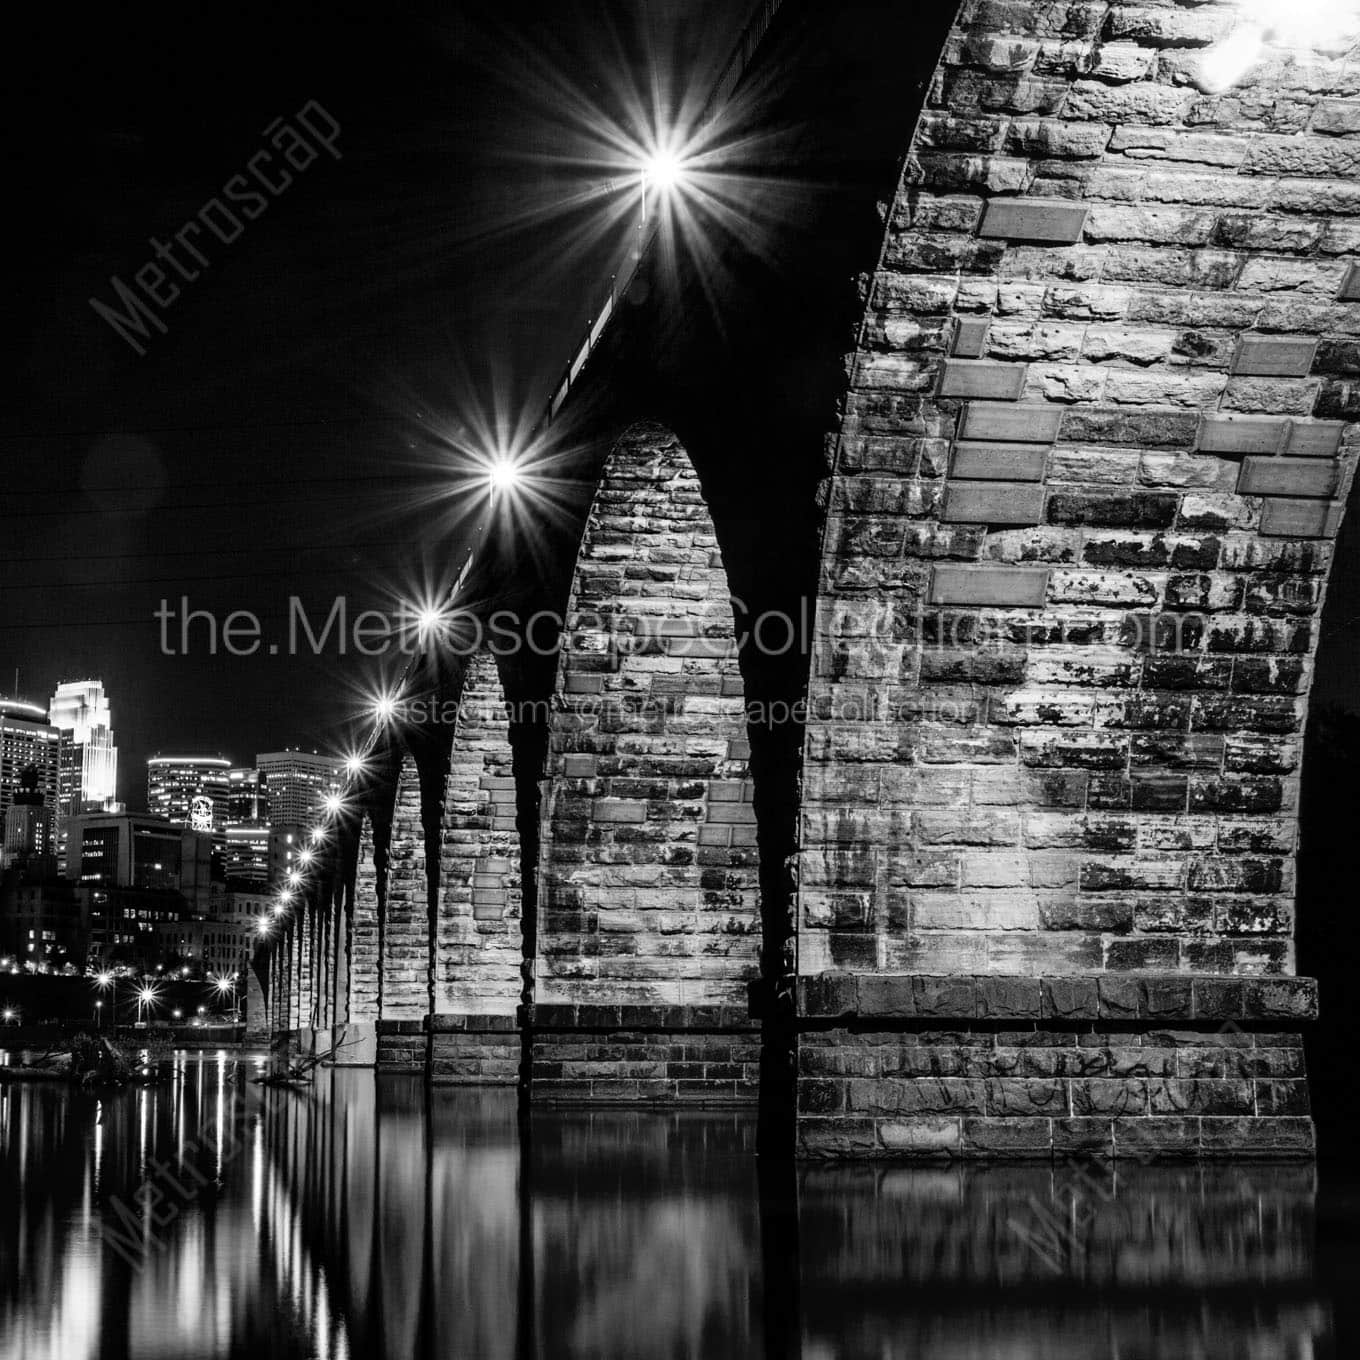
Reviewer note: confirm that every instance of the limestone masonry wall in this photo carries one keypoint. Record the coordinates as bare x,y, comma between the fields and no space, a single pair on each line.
363,942
1093,458
649,872
405,972
479,950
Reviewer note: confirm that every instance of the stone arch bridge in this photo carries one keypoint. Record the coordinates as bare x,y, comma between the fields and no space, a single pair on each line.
1034,416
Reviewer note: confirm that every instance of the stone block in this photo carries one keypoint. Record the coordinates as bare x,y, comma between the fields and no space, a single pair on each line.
886,995
1314,438
982,378
1018,997
945,997
1155,1138
834,1137
1002,1137
922,1137
1240,435
982,460
1016,587
1050,220
1023,424
970,338
827,994
1293,998
993,503
1274,356
1258,1136
1074,998
1219,998
1302,477
1300,519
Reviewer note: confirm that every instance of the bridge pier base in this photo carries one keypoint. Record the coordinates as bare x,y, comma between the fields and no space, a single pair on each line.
671,1055
996,1067
357,1044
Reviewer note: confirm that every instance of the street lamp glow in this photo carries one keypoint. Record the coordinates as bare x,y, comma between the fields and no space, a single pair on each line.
104,979
318,835
385,707
262,927
503,475
333,803
663,170
354,765
147,995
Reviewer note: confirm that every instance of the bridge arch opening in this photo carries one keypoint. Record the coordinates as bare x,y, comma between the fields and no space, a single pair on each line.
649,917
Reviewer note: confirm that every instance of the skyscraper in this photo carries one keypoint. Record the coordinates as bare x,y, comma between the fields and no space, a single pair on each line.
29,840
189,790
297,783
27,738
247,849
88,777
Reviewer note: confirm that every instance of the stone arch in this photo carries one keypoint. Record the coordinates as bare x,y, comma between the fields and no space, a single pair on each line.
1094,451
480,951
649,897
479,948
363,972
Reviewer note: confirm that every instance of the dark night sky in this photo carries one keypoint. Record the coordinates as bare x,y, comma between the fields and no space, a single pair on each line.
281,438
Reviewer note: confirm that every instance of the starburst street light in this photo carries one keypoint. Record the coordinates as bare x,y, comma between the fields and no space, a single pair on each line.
503,475
147,997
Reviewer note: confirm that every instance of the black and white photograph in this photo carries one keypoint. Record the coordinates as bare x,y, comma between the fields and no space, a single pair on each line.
680,679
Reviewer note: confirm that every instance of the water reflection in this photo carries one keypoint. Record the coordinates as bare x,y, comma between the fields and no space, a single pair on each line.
365,1217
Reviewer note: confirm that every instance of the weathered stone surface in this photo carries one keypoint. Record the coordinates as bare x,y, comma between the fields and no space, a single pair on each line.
1165,277
648,873
1033,219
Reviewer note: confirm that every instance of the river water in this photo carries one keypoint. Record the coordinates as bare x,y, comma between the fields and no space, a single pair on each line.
366,1217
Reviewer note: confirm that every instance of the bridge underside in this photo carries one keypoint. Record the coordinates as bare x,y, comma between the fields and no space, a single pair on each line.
1016,874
